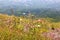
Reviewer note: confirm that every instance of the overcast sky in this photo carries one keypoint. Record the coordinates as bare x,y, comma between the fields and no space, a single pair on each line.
30,2
48,1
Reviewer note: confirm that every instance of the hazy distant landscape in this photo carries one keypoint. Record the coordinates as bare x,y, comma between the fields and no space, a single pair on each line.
49,9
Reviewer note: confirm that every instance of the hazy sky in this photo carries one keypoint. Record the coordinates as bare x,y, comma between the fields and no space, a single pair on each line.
31,2
48,1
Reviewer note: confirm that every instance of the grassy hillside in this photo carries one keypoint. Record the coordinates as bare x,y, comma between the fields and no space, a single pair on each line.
22,28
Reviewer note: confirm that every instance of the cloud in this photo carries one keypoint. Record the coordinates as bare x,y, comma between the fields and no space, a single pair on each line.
53,1
17,0
24,1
